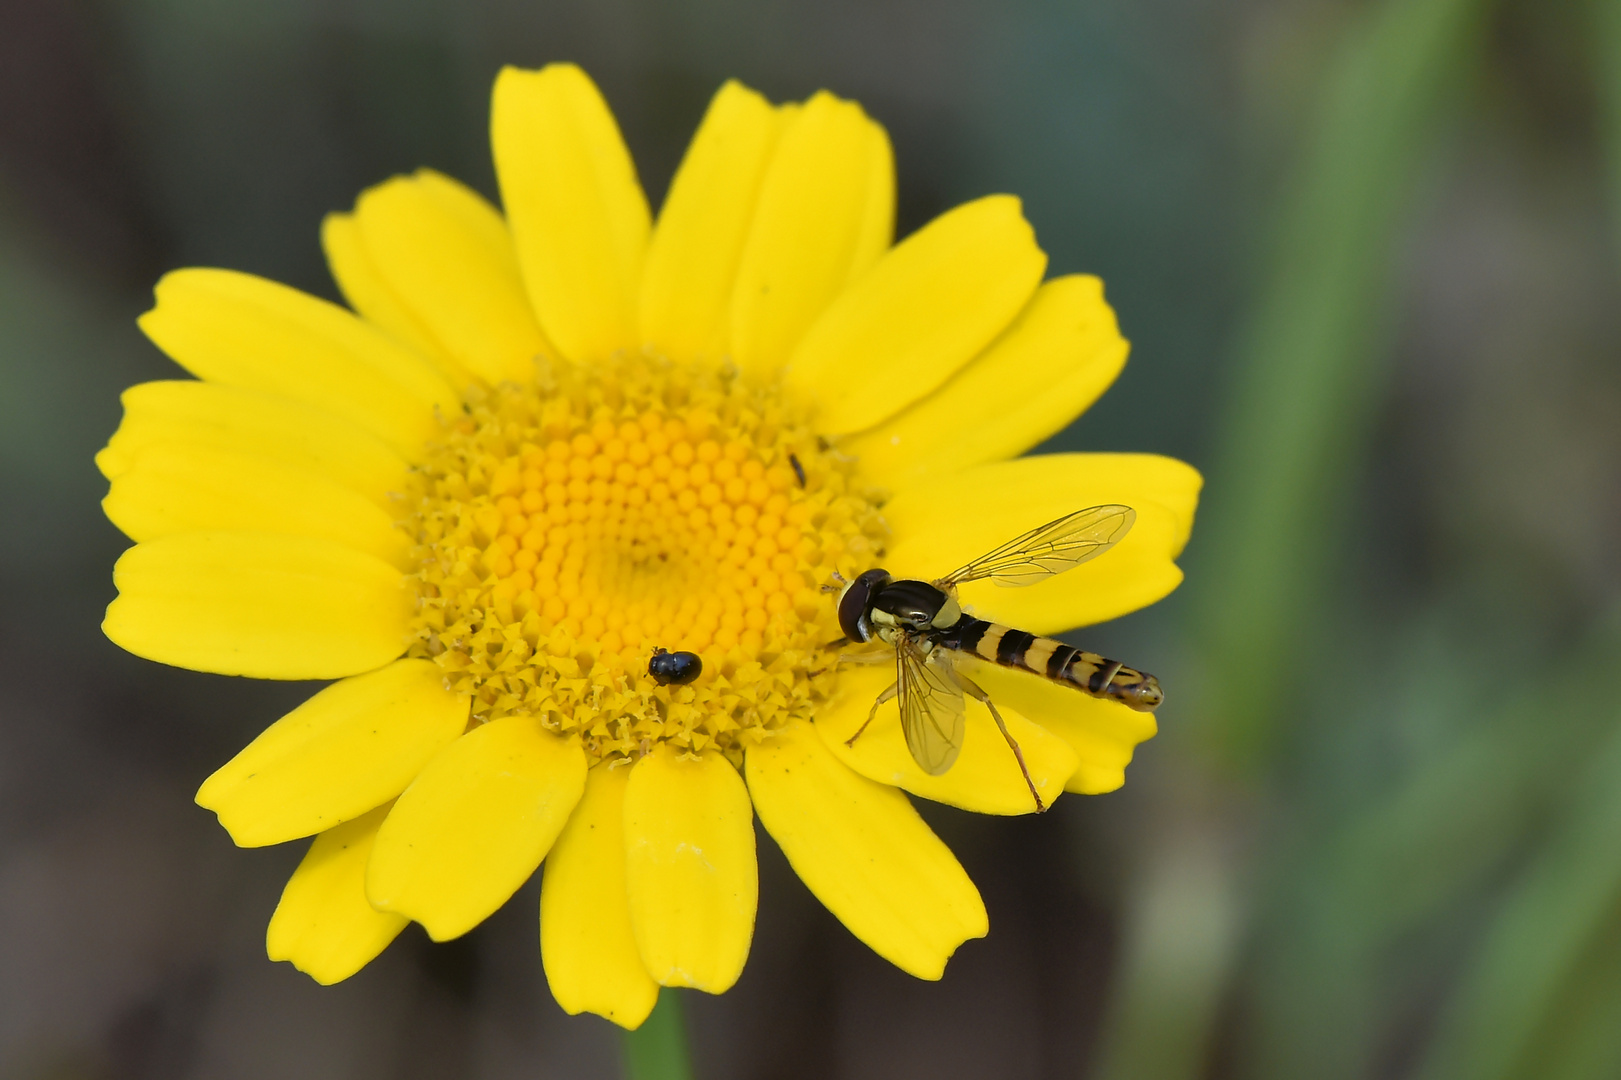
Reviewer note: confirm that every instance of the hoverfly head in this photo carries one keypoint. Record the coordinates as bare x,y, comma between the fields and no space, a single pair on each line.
855,604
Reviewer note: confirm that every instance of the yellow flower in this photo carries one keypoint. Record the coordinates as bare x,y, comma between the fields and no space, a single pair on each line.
546,443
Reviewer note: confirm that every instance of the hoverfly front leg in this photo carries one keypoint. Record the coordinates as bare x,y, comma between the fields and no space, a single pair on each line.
887,695
865,659
850,658
973,690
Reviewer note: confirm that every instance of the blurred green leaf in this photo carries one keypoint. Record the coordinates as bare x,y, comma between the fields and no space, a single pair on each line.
1310,366
1607,76
1309,371
1414,856
1563,905
1582,1040
1180,948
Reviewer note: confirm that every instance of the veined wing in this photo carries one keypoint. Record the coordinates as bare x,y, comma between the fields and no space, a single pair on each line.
1051,549
931,705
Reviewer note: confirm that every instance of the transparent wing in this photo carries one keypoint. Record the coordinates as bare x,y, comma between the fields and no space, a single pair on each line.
931,706
1051,549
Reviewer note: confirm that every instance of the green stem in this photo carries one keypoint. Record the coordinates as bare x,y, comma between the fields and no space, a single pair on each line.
658,1049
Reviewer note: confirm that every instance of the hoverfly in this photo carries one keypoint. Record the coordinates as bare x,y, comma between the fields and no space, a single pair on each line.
927,627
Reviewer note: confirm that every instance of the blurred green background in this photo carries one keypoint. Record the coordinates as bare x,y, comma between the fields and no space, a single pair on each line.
1366,251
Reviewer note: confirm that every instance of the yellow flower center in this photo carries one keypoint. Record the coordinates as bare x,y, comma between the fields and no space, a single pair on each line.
569,527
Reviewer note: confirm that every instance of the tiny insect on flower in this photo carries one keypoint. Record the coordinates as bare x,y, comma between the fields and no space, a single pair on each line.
674,667
545,443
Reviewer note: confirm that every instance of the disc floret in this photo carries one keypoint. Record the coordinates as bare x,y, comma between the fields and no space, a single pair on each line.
568,527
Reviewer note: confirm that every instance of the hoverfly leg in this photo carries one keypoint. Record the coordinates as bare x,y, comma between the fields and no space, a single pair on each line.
840,579
853,659
866,659
887,695
973,690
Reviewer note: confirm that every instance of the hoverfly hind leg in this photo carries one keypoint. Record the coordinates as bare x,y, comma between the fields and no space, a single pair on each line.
972,689
887,695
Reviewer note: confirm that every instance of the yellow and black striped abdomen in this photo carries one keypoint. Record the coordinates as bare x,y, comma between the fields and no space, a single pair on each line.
1052,659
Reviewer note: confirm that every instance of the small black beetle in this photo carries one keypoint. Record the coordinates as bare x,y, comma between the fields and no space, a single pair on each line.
674,667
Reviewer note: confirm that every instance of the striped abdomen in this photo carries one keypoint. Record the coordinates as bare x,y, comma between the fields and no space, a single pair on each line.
1089,672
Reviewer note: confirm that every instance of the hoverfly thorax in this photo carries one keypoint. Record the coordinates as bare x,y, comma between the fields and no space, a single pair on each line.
913,605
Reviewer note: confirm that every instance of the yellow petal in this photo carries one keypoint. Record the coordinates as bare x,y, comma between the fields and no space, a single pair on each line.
865,853
693,257
690,868
324,924
1103,734
363,286
351,747
173,487
241,330
1059,355
586,941
941,524
448,257
576,209
820,218
474,825
876,230
205,418
258,604
923,311
986,777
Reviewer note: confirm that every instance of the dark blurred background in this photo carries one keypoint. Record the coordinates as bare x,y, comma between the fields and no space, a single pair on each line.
1366,252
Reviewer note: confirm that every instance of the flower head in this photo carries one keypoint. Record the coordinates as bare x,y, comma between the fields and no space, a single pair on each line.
548,442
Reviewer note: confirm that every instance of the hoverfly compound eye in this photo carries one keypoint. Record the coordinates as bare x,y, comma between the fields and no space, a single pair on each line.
856,600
